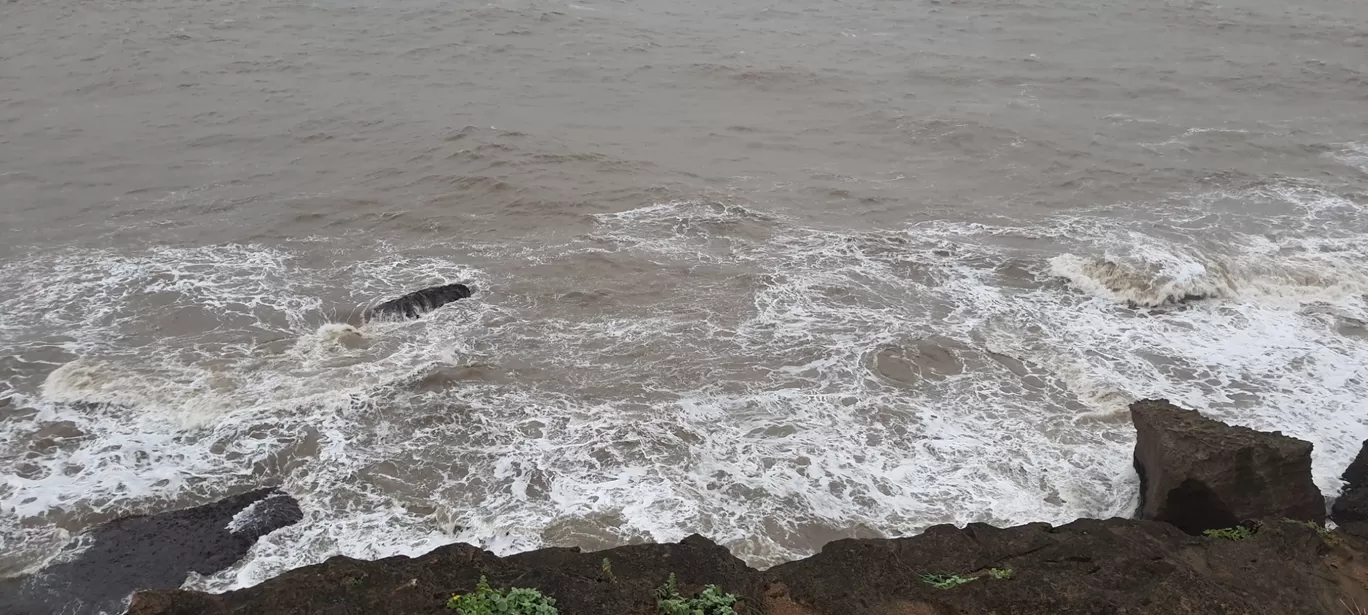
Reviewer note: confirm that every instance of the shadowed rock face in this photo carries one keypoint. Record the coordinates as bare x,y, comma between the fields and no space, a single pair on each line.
1356,475
148,552
417,303
1199,474
1351,507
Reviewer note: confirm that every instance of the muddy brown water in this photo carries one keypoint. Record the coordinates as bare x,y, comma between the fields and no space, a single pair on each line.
774,272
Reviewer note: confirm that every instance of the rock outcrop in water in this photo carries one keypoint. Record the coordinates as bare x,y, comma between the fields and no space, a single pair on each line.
1199,474
420,302
1276,566
153,551
1351,507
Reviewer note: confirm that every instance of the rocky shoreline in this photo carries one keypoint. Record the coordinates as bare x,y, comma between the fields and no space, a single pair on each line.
1229,523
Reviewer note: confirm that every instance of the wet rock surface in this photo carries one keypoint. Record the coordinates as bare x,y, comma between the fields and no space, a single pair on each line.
104,567
420,302
1200,474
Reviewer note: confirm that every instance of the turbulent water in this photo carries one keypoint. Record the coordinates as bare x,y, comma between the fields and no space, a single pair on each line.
773,272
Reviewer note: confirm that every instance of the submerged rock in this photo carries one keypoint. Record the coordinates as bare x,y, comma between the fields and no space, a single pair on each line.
1200,474
420,302
1351,507
148,552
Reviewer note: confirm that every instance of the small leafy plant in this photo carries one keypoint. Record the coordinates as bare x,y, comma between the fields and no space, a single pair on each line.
946,581
1238,532
513,601
711,601
608,571
1326,534
951,581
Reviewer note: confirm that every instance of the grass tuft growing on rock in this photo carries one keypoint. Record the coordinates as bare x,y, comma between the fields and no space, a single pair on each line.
1238,532
711,601
951,581
513,601
607,569
1326,534
946,581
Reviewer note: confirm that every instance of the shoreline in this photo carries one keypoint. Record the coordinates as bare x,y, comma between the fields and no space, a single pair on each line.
1088,566
1229,521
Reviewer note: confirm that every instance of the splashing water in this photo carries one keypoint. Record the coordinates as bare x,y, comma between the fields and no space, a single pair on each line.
726,371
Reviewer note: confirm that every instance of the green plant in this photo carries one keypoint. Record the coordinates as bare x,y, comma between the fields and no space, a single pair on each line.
608,571
946,581
1238,532
513,601
1326,534
711,601
1001,574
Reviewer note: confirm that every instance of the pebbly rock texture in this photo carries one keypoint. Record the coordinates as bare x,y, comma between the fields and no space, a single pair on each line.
1200,474
148,552
1351,507
1089,567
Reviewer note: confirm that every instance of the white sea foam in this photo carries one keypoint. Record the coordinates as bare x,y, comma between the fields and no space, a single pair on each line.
185,416
1354,155
741,400
1150,273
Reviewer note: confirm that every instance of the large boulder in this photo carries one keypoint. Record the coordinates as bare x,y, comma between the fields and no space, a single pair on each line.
1351,507
106,565
1200,474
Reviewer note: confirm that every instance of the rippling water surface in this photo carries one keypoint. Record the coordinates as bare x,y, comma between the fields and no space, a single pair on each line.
775,272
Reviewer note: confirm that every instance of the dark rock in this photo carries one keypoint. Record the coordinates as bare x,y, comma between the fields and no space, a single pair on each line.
420,302
1200,474
1352,504
1355,528
1085,567
148,552
1356,475
1088,567
423,584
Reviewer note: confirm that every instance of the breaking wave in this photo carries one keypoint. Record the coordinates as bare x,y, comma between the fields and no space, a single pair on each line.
1296,270
687,366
